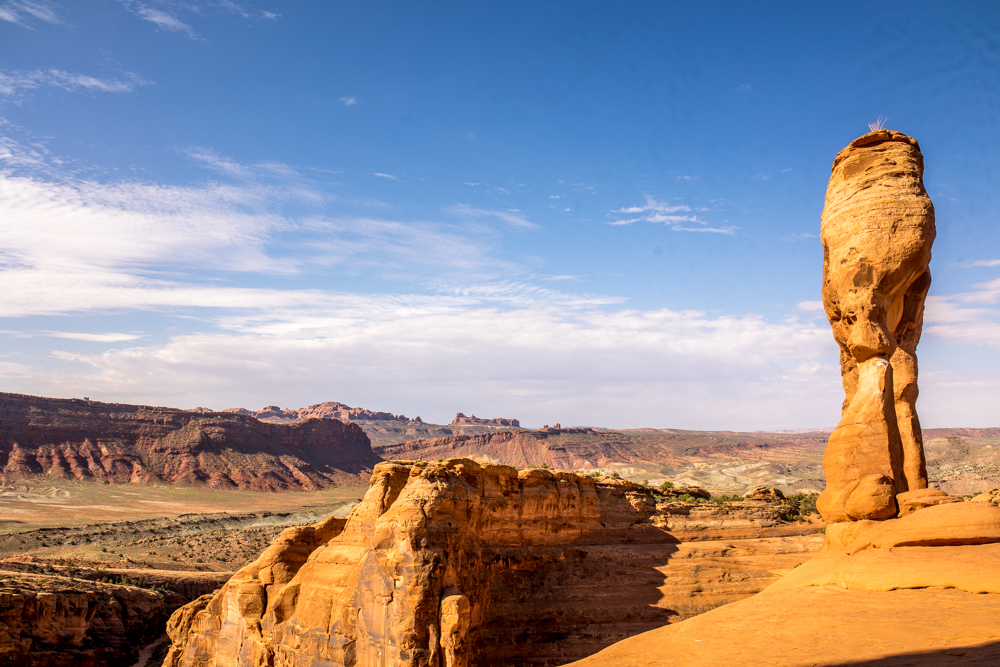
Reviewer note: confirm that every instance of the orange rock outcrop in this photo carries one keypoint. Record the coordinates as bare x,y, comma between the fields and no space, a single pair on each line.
461,564
877,231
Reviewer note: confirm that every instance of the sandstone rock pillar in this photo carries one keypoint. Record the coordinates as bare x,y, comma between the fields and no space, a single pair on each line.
877,231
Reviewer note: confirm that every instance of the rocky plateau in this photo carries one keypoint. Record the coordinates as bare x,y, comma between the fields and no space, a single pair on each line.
115,443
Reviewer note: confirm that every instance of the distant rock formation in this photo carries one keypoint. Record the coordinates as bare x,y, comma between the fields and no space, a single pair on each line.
456,564
877,231
328,410
111,442
461,420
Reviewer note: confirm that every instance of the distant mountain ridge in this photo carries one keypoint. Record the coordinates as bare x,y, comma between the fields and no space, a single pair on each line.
327,410
113,442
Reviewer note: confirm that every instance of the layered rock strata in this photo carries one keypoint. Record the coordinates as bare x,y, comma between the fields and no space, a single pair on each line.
877,231
52,621
459,564
110,442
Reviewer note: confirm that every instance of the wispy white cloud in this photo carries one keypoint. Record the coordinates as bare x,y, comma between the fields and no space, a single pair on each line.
161,19
349,101
512,216
810,306
388,176
69,245
19,11
980,262
14,83
624,368
968,317
661,212
93,337
798,237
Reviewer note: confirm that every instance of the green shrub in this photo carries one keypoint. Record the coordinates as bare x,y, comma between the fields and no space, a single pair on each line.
666,486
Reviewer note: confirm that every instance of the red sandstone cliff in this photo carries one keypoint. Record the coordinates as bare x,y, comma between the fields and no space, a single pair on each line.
89,440
459,564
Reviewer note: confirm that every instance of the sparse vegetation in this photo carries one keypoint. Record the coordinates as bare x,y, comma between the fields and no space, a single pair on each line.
799,505
878,123
666,486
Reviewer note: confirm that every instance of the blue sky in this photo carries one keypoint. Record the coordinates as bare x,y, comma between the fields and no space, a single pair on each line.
591,213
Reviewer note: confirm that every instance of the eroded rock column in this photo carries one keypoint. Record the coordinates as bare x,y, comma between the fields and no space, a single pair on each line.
877,231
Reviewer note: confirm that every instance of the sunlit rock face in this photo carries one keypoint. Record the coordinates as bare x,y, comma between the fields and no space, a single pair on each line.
460,564
877,231
434,566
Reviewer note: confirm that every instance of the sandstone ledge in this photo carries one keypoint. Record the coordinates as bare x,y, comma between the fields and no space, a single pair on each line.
865,600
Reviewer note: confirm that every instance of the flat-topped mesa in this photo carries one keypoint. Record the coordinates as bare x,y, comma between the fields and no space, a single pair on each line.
461,420
877,231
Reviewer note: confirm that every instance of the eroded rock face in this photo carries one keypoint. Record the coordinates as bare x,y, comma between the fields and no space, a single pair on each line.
877,231
112,442
48,621
462,564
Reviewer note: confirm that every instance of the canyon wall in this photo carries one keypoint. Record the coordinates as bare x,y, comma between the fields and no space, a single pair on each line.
89,440
459,564
53,621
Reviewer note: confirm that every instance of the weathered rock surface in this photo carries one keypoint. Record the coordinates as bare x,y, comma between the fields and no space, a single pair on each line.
50,621
461,564
88,440
919,590
877,231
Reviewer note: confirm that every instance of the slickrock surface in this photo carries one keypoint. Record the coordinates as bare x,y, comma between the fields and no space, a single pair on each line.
877,230
922,590
455,563
88,440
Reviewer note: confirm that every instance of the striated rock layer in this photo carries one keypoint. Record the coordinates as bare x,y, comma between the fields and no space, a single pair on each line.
110,442
877,231
462,564
52,621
